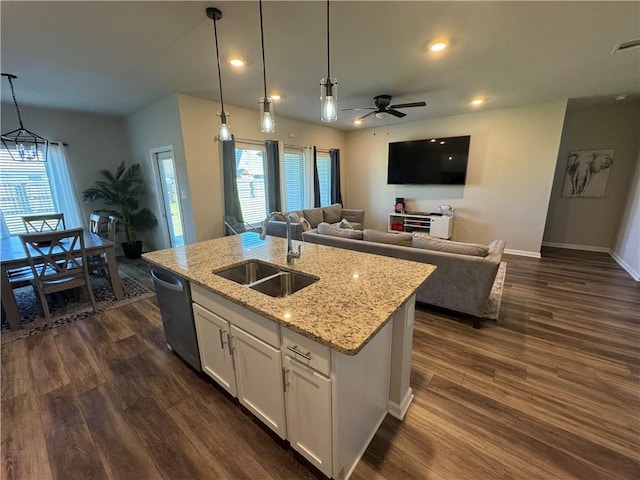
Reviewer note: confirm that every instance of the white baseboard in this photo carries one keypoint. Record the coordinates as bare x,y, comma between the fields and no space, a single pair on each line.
635,275
399,411
522,253
570,246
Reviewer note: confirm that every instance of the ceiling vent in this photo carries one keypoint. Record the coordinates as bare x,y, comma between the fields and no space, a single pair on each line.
624,46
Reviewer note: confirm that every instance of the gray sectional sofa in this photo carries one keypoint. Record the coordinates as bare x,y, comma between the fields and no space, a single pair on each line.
332,214
461,282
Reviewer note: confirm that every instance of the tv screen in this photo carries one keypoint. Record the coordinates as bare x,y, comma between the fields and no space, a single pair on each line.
433,161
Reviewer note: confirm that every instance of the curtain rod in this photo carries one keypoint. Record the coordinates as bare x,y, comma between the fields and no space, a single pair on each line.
60,143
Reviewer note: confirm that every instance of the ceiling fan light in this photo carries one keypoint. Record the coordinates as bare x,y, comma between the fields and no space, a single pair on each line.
328,99
267,122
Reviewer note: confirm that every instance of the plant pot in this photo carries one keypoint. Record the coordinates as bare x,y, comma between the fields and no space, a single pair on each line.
132,250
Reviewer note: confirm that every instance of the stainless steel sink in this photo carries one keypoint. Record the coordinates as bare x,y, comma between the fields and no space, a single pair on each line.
283,284
248,272
265,278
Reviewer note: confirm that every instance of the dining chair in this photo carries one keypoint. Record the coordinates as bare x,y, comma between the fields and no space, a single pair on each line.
58,262
43,222
98,263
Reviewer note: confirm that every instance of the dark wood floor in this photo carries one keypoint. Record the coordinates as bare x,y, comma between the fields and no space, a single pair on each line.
550,390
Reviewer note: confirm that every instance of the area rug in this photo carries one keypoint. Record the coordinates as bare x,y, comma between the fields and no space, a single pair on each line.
33,321
492,309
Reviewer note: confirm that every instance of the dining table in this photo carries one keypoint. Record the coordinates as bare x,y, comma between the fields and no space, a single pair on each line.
12,255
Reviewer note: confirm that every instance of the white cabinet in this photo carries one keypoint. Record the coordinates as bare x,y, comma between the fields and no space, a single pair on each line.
307,366
259,378
439,226
215,353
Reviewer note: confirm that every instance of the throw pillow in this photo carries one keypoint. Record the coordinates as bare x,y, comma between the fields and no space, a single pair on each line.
332,213
427,242
314,216
377,236
326,229
344,223
294,217
306,226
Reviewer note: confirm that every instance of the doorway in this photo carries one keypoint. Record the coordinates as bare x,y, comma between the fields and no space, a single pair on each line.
171,210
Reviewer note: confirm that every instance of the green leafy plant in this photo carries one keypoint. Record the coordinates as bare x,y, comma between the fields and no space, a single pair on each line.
122,190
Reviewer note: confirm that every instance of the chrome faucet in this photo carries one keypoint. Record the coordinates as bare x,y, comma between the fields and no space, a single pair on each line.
291,253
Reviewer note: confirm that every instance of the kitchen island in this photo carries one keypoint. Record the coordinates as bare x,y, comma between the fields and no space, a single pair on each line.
320,367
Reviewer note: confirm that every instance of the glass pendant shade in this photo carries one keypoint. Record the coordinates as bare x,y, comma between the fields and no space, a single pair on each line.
328,99
224,132
267,121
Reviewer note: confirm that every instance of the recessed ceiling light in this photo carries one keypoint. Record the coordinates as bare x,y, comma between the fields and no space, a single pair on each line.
275,97
433,140
476,102
621,97
442,142
357,121
237,62
438,46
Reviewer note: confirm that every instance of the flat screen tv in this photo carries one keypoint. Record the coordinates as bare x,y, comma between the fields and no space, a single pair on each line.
433,161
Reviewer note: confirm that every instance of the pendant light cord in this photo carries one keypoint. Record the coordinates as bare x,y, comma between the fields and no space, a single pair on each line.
15,102
215,35
328,47
264,68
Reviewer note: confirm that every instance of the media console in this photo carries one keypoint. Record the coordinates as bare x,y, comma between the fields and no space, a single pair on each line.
439,226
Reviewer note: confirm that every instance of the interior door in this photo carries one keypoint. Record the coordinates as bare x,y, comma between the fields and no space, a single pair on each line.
172,214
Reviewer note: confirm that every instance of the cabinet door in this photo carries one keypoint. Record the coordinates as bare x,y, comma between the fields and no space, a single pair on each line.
259,379
215,353
308,400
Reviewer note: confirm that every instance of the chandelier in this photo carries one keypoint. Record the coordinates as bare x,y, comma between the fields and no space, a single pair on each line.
23,145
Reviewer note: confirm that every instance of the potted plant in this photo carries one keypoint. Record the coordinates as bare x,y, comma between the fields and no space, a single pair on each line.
122,190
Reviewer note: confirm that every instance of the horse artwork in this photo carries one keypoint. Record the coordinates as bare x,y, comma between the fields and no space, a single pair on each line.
587,173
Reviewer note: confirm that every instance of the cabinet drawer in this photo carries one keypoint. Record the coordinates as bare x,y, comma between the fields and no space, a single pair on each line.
306,351
251,322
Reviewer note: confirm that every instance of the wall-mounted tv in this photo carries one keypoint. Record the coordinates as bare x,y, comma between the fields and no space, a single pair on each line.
433,161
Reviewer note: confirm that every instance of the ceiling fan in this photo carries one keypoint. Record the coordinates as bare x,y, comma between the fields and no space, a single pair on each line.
382,102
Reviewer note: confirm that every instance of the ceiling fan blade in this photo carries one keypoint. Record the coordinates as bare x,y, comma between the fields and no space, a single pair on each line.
367,114
362,108
395,113
408,105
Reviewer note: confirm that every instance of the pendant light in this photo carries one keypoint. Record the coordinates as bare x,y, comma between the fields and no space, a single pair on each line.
267,121
23,145
224,132
328,87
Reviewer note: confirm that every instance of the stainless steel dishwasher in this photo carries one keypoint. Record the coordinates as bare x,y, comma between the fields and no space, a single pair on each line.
174,299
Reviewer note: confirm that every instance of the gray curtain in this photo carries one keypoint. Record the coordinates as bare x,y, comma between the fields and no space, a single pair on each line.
336,194
232,206
316,179
273,176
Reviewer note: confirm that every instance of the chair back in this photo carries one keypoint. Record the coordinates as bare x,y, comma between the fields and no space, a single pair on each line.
44,222
95,219
112,225
56,255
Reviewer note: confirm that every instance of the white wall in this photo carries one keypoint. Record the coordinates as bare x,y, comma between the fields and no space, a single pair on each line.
156,126
96,142
626,249
199,125
512,160
593,223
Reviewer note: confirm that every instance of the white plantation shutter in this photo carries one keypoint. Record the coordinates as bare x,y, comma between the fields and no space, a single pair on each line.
24,190
294,180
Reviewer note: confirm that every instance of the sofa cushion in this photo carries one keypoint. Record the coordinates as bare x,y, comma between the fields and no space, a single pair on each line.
344,223
314,216
306,226
332,213
427,242
326,229
377,236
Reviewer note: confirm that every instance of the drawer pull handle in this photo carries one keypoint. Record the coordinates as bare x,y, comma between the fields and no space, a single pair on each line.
222,342
294,349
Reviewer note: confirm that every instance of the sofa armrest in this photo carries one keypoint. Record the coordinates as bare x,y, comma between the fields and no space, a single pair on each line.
278,228
352,215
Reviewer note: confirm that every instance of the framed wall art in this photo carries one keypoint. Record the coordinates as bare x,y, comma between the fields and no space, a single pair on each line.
587,173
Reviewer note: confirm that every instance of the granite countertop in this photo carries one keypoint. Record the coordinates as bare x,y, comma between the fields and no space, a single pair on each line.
356,294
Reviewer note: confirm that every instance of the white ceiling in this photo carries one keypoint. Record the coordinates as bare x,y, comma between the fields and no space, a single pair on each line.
117,57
